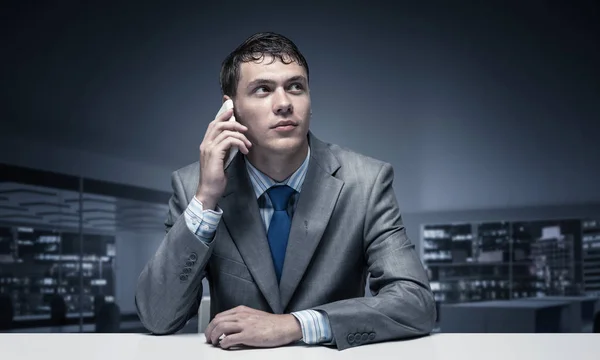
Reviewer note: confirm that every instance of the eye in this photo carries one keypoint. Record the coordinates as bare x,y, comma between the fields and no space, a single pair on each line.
261,90
296,87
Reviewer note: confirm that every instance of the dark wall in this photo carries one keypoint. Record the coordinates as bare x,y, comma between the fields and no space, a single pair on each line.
477,106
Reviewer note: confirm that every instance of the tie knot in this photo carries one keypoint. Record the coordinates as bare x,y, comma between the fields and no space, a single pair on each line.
280,196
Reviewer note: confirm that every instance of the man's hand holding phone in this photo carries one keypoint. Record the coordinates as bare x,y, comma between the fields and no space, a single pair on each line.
222,138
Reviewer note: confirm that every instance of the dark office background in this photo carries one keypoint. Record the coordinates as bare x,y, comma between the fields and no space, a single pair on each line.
489,111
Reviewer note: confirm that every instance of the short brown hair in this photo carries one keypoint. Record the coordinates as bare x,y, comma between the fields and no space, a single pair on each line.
253,49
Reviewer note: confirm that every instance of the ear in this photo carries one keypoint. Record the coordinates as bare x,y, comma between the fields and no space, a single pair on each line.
226,97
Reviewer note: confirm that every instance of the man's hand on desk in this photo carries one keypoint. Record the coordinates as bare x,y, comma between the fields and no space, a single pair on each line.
246,326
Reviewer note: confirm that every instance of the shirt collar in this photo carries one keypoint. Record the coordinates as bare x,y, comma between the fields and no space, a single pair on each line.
261,182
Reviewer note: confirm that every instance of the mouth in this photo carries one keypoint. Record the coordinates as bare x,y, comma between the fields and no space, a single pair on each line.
287,124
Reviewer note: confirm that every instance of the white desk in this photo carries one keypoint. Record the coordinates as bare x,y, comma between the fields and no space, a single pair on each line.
193,346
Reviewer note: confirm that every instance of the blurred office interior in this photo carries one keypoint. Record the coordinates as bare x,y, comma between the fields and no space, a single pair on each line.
71,250
488,112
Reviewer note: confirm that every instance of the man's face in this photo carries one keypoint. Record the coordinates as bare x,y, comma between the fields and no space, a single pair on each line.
273,102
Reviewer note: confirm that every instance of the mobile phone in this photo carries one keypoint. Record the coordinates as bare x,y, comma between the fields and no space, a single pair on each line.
228,104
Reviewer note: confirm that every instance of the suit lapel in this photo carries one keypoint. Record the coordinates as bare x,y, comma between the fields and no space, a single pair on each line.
317,200
242,219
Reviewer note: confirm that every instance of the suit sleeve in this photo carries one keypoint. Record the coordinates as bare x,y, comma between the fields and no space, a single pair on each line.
169,288
402,305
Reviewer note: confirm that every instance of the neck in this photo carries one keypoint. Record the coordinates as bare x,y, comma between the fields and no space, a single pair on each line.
278,166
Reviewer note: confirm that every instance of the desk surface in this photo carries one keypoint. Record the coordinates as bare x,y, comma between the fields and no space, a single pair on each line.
193,346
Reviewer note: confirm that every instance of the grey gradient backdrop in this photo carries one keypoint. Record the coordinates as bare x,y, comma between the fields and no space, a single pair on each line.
485,109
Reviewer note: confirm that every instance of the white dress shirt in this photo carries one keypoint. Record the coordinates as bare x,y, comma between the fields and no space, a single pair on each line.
203,223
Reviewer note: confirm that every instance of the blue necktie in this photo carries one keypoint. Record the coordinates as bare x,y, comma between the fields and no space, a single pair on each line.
279,228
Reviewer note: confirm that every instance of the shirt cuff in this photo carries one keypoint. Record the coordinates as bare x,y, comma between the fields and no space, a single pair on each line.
202,223
315,327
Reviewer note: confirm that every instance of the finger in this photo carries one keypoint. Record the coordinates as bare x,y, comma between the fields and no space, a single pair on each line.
234,340
210,327
223,146
225,327
229,125
226,105
224,116
216,126
215,322
220,118
227,133
231,141
208,330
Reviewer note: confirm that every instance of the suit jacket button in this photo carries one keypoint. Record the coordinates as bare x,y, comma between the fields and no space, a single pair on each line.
364,337
187,270
189,263
193,257
183,277
372,336
351,338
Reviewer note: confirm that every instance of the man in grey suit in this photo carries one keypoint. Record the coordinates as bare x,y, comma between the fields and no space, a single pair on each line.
289,231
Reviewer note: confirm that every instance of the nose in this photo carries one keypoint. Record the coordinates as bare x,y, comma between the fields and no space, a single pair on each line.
283,105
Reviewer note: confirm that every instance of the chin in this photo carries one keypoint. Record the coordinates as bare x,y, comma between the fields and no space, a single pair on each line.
287,145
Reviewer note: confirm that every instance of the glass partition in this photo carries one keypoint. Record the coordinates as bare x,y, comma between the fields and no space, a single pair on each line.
59,248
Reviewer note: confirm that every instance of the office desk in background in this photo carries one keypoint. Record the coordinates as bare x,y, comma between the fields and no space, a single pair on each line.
582,310
193,346
508,316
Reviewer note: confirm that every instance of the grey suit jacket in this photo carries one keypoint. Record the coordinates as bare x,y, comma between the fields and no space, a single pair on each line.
347,225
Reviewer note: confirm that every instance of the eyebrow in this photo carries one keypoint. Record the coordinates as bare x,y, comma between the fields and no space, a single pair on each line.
256,82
